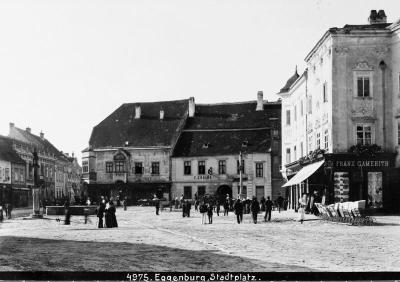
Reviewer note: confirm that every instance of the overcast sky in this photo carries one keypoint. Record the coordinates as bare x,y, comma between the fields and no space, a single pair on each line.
66,65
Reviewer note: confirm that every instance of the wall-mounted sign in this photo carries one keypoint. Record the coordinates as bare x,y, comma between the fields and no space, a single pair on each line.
360,163
202,177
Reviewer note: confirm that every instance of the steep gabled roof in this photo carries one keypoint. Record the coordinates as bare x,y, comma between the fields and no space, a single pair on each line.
227,129
213,143
38,142
233,116
147,131
7,152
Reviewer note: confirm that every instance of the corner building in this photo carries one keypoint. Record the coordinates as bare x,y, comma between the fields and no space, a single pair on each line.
341,117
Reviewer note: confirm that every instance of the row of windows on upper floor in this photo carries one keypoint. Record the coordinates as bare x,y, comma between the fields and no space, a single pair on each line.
310,148
363,134
363,90
120,167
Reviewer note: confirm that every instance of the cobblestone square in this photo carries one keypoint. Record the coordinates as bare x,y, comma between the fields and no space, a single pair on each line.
168,242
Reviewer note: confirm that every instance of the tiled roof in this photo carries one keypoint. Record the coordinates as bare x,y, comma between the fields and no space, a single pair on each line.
149,130
27,137
7,152
212,143
233,116
222,129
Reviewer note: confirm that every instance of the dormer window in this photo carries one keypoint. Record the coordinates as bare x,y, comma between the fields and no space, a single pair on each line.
245,143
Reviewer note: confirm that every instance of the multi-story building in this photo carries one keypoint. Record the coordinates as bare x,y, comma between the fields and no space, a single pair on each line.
129,152
206,157
53,164
13,188
340,124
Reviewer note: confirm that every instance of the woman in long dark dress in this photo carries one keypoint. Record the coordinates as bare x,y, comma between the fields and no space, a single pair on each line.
107,215
113,218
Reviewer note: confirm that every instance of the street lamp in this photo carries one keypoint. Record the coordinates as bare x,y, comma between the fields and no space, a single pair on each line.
240,175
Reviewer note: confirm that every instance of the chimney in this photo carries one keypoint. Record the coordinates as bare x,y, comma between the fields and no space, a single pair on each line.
73,155
12,125
191,107
42,135
260,102
137,112
28,129
377,17
161,114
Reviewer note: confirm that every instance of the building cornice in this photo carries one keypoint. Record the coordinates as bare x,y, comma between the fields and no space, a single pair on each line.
225,129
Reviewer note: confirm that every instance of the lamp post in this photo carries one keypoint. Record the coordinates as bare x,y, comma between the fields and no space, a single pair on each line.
35,189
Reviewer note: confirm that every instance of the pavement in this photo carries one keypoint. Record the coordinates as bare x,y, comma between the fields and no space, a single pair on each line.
168,242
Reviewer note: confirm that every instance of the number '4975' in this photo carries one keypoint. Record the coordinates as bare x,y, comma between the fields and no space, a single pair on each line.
137,277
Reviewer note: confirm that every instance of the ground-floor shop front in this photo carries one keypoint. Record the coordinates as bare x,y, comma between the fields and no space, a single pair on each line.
220,189
134,192
348,177
18,197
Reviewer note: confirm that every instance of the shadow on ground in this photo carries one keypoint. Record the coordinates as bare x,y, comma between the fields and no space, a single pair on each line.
34,254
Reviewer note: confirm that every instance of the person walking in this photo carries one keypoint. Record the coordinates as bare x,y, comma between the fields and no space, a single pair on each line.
9,210
112,218
203,211
218,207
226,205
125,203
188,207
100,214
255,209
268,209
210,213
196,205
157,202
238,208
67,213
302,207
262,202
279,201
1,213
184,208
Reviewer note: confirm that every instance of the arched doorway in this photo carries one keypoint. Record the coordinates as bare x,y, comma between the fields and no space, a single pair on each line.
222,191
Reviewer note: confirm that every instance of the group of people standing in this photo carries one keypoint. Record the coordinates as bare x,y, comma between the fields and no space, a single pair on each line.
7,208
106,209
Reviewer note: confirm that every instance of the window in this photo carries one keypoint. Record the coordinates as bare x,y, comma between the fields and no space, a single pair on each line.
295,152
275,132
85,167
288,117
295,113
318,140
244,191
187,192
109,167
288,156
309,104
259,170
155,168
364,134
221,167
119,166
138,168
363,86
326,144
187,167
201,169
30,171
310,144
324,92
301,149
22,175
201,191
240,167
301,108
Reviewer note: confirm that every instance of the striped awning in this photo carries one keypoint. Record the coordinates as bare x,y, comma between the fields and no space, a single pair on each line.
303,174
